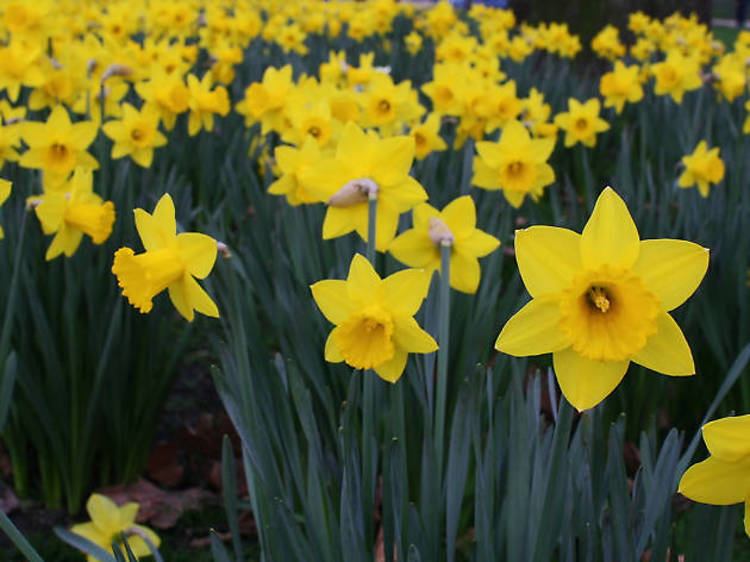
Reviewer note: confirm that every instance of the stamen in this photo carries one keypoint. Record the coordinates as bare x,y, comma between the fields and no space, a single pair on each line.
598,298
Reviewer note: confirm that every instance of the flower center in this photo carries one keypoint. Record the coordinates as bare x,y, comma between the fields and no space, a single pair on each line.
608,313
60,159
314,131
581,124
92,219
365,339
145,275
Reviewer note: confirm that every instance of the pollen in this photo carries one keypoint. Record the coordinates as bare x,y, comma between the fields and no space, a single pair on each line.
598,298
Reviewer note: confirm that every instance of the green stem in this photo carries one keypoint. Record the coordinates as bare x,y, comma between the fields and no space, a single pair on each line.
12,294
444,342
23,545
368,407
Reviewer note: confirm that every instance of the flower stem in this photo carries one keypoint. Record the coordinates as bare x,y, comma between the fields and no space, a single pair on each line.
372,212
443,341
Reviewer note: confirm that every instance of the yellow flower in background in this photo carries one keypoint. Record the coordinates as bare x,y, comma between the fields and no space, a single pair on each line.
420,246
413,42
581,122
676,75
171,261
136,134
621,85
732,76
374,318
517,164
168,93
724,477
364,162
601,299
501,106
204,103
427,137
5,187
703,167
57,146
264,101
293,163
607,43
20,66
71,210
108,521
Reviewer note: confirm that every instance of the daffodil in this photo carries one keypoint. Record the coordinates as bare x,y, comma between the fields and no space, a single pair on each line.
420,246
108,522
136,134
676,75
601,299
581,122
72,209
427,137
171,261
517,164
264,101
365,165
293,163
5,187
374,318
57,146
413,42
621,85
724,477
204,103
168,93
703,167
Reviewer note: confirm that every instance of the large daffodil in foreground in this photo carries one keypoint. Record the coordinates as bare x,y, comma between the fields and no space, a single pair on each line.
601,299
374,318
724,477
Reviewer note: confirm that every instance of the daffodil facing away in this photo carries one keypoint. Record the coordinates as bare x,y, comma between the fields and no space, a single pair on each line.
293,163
703,167
72,209
365,166
581,122
724,477
601,299
136,134
57,146
107,523
517,164
374,318
621,85
171,261
456,223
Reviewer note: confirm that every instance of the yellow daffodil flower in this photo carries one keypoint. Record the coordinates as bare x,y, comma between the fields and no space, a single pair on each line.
517,164
676,75
168,93
703,167
420,246
5,187
108,521
293,163
57,146
20,66
363,163
264,101
413,42
136,134
374,318
581,122
601,299
72,209
607,43
171,261
204,103
427,137
724,477
620,86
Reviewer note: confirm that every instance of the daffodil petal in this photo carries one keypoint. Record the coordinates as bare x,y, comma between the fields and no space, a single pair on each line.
363,284
410,337
717,482
332,352
198,298
333,300
198,252
478,244
671,269
548,258
164,214
392,369
151,232
103,512
586,382
465,273
667,351
533,330
414,248
406,289
178,296
610,235
460,215
342,220
727,438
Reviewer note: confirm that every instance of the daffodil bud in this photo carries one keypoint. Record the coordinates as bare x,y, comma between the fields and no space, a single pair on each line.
439,232
116,69
354,192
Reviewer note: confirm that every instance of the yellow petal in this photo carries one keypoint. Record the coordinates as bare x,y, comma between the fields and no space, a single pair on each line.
666,351
406,289
716,482
151,232
515,198
332,298
198,252
671,269
128,512
363,284
104,513
728,438
178,296
198,298
332,351
92,533
586,382
164,214
485,176
392,369
478,244
51,211
533,330
548,258
342,220
415,248
464,273
610,235
460,215
83,134
393,160
5,186
410,337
